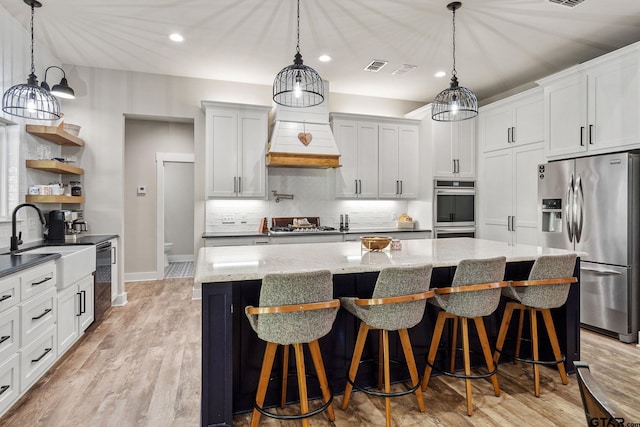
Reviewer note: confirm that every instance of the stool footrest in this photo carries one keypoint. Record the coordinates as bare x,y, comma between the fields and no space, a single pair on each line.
470,377
382,393
541,362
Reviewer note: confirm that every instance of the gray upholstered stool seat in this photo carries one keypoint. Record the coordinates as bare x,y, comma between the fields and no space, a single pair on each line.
547,288
295,308
474,293
397,304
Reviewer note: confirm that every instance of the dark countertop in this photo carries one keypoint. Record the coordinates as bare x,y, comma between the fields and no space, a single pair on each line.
10,264
301,233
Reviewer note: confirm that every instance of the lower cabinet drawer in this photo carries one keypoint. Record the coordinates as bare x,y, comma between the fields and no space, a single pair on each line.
36,315
9,292
9,332
37,280
37,357
9,382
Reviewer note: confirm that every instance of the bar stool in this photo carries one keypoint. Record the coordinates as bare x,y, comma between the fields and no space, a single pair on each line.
474,293
295,308
547,288
397,304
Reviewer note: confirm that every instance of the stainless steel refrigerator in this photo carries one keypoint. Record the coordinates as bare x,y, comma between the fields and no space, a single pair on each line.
592,204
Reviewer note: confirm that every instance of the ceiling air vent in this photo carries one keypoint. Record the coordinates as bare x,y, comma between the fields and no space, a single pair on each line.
375,65
570,3
406,68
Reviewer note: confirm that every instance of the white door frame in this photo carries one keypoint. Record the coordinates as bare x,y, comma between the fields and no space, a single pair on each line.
161,158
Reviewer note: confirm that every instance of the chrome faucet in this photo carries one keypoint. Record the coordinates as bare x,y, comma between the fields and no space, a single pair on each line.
17,240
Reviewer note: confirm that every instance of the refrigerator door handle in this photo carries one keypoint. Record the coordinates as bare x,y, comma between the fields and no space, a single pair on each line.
579,203
568,209
602,271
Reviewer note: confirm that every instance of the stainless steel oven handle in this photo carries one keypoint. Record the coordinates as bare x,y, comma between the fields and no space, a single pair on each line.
455,192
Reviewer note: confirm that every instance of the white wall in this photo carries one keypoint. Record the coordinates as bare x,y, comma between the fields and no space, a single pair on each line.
178,209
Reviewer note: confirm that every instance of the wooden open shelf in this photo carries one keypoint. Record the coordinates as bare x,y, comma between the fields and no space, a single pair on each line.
55,167
53,199
55,135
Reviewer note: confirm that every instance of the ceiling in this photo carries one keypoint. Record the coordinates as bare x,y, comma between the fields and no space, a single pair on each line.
500,44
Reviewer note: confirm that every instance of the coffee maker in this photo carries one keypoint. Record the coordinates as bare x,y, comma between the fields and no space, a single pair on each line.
59,221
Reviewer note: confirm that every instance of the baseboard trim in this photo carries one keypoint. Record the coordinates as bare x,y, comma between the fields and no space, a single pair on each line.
197,293
181,258
140,277
120,300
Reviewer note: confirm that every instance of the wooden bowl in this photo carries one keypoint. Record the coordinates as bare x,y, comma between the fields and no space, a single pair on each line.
375,243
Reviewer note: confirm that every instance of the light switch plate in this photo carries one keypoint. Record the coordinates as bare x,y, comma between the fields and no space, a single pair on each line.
142,189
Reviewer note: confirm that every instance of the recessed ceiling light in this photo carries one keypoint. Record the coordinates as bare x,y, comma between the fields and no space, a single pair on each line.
440,74
176,37
324,58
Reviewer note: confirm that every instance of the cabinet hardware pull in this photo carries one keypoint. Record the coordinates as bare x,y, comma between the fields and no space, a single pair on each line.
79,304
356,182
239,184
397,187
46,311
359,186
235,184
3,389
513,134
84,300
114,255
4,338
401,187
42,281
4,297
591,134
46,350
454,165
581,136
509,135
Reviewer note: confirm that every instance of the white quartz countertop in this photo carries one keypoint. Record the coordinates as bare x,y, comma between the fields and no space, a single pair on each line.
238,263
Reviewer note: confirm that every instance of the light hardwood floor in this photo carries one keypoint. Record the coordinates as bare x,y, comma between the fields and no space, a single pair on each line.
141,367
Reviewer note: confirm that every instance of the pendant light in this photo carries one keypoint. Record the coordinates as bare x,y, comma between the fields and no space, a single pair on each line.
456,102
298,85
30,100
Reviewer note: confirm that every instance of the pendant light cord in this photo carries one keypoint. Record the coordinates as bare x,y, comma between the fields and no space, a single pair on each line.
453,73
298,32
33,68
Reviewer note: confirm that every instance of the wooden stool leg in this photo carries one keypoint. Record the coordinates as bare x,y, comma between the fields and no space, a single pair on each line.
534,349
411,364
454,342
486,349
553,337
504,327
285,375
302,382
316,356
433,348
467,363
265,373
380,360
355,361
387,375
519,336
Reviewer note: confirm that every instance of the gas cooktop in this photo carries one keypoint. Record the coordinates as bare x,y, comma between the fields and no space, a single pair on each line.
310,224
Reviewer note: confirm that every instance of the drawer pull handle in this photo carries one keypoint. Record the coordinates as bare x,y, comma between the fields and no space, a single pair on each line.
4,338
47,311
4,388
4,297
46,350
42,281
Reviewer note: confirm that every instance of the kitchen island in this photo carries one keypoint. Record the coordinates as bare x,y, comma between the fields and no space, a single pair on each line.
231,277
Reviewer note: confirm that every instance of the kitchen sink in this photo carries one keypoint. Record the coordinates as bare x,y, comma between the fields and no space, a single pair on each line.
75,262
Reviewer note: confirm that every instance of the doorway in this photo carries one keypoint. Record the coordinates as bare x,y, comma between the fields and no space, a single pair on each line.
175,213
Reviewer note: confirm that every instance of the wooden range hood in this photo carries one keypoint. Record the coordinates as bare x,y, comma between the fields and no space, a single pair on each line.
303,145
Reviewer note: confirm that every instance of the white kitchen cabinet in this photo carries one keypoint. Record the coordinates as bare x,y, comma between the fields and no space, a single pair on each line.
9,381
358,146
398,161
37,357
593,108
75,312
235,146
517,120
454,149
508,194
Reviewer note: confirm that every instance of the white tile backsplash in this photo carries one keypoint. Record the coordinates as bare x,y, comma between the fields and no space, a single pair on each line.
313,195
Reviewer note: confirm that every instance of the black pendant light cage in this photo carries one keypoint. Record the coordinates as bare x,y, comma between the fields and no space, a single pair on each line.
298,85
30,100
62,89
455,103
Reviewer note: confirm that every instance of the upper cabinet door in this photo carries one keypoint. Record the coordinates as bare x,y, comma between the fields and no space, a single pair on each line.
614,105
367,160
528,120
566,116
389,182
346,135
464,134
408,155
222,153
496,127
252,173
443,156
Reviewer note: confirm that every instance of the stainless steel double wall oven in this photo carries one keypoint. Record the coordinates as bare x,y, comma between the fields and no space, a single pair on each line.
454,208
